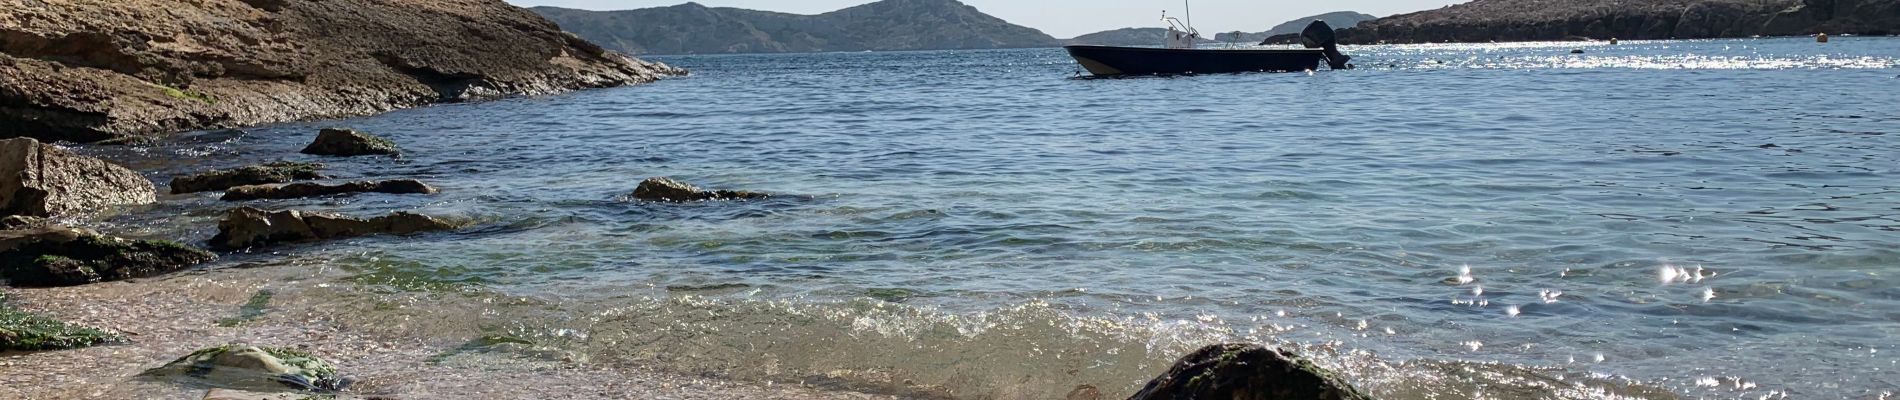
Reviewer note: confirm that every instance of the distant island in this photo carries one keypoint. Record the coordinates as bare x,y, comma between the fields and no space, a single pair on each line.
888,25
1535,20
1152,36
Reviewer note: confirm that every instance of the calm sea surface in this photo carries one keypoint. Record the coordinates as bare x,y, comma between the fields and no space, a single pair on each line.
1703,219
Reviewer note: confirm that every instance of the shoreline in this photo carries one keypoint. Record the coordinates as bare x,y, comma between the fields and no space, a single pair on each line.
163,318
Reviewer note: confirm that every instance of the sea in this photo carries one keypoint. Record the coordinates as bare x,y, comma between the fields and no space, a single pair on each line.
1653,220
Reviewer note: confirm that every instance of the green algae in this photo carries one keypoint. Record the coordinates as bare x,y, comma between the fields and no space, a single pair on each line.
182,94
482,344
22,331
251,310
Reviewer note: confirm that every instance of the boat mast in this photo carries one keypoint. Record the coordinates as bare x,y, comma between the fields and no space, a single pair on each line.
1189,5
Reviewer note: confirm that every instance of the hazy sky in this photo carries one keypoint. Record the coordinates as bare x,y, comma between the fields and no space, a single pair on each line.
1070,18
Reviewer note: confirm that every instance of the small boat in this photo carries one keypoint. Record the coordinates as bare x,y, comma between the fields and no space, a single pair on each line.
1179,55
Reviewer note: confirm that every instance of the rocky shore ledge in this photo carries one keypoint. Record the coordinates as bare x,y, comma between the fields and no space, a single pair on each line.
1539,20
112,70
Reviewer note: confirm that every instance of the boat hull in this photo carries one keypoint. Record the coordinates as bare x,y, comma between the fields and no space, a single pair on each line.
1114,61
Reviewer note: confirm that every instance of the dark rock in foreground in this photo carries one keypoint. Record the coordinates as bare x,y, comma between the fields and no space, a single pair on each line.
87,71
237,366
302,190
21,331
249,227
349,143
1246,372
1529,20
667,189
42,180
277,172
18,222
55,256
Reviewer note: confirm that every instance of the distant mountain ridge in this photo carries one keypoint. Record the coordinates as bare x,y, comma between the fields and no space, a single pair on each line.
1153,36
887,25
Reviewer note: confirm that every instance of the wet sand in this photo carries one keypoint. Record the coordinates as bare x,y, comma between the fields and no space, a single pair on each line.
164,318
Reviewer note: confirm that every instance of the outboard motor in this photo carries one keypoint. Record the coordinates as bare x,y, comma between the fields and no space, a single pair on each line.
1319,35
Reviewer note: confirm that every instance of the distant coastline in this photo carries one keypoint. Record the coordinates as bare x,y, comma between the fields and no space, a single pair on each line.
1529,20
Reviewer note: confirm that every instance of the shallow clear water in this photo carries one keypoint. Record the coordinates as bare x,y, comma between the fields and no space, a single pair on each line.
1711,219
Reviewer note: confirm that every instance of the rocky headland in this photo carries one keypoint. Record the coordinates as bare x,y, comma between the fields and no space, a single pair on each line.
98,70
1540,20
888,25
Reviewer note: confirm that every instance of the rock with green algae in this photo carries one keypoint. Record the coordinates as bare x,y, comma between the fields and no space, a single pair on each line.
310,189
246,227
1247,372
22,331
256,368
663,189
343,142
277,172
57,256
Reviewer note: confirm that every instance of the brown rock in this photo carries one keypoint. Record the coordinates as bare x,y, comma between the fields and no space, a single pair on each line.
1530,20
277,172
1247,372
57,256
348,143
301,190
17,222
94,70
669,190
250,227
42,180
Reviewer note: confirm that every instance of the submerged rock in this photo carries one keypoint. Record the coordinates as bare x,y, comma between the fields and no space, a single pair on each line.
667,189
1247,372
21,222
21,331
250,227
349,143
42,180
301,190
247,367
277,172
56,256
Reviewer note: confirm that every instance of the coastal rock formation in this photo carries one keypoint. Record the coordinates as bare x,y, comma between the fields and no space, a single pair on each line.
238,366
56,256
277,172
17,222
93,70
1526,20
250,227
669,190
43,180
349,143
302,190
888,25
21,331
1247,372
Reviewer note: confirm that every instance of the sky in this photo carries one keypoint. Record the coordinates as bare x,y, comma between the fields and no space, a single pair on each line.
1071,18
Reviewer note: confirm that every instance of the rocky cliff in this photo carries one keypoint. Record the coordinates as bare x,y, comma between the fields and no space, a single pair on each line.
92,70
1530,20
887,25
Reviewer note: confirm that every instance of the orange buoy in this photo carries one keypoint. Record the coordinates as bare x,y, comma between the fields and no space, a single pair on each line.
1821,38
